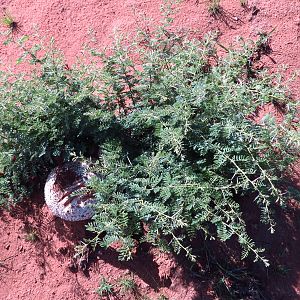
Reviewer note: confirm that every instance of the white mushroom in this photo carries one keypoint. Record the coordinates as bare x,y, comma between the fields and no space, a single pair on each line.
61,183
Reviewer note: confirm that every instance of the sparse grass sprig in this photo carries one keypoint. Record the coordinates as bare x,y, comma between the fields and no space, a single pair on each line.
127,285
214,7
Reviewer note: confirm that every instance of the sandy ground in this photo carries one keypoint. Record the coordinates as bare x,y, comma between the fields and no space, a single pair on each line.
43,269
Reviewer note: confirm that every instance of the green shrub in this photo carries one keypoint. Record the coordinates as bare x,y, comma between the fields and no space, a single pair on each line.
47,117
192,150
172,126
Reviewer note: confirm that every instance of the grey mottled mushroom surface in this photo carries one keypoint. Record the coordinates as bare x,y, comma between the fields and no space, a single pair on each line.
61,183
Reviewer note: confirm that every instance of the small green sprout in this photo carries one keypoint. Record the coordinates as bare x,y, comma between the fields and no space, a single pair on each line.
31,236
127,284
9,22
105,288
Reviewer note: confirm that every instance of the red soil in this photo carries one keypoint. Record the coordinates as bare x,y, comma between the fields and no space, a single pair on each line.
43,269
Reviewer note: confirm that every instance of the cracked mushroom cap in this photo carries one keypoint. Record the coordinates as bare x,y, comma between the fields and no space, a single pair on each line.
61,184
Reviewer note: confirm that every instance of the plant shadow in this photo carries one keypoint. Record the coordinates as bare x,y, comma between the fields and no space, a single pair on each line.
281,279
236,279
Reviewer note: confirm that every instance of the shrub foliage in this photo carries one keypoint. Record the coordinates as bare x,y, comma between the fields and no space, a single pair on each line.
46,117
175,130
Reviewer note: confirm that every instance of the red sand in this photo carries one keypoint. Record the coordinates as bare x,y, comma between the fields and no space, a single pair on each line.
44,269
41,269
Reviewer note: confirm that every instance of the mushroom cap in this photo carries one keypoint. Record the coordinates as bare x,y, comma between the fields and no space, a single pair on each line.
61,183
